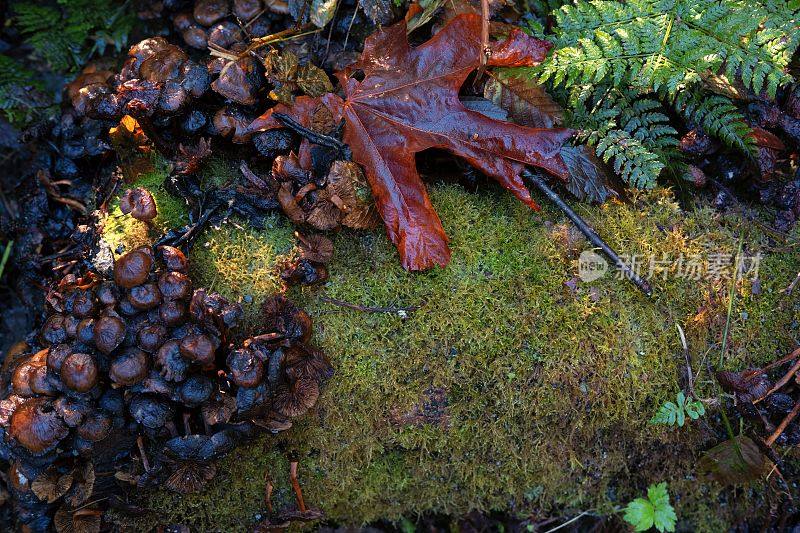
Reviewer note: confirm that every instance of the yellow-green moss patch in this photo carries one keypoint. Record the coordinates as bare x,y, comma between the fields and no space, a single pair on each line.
506,389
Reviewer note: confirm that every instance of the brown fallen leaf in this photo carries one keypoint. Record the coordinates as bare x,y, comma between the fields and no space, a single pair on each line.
735,461
525,100
408,102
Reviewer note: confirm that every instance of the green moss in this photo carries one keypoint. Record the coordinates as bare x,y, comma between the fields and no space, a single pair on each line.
537,395
125,232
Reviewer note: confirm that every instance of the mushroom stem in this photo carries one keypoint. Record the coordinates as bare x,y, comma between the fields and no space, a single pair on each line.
186,427
304,190
298,492
170,425
145,462
268,491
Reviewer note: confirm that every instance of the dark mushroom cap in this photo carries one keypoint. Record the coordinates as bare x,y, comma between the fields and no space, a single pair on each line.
170,362
174,259
109,332
95,427
296,398
71,410
190,477
219,409
132,269
151,337
79,372
207,12
246,9
112,402
22,377
316,248
175,285
36,426
85,331
172,313
196,390
56,355
139,203
107,293
82,303
307,362
247,370
129,368
150,411
199,348
54,330
282,316
145,296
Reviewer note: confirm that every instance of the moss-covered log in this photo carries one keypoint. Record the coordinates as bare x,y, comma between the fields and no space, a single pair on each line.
506,389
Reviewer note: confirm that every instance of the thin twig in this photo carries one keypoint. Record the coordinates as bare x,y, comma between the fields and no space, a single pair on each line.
313,136
785,422
370,309
589,232
731,299
568,522
788,290
785,379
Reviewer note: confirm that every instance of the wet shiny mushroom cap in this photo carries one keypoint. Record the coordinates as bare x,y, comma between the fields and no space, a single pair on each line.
132,269
109,332
151,337
36,426
145,296
95,427
247,370
129,368
79,372
199,348
174,285
174,259
172,313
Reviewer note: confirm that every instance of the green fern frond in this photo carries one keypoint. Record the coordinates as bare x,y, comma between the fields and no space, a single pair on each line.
667,45
66,33
718,116
627,129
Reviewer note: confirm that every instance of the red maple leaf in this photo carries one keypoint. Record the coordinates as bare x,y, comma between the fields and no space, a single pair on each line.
407,102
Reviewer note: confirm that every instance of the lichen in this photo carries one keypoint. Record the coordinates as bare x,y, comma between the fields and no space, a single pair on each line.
508,389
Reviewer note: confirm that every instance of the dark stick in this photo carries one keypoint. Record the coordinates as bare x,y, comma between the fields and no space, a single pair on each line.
587,230
313,136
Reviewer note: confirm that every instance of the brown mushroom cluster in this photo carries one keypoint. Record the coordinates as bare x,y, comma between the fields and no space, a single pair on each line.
141,371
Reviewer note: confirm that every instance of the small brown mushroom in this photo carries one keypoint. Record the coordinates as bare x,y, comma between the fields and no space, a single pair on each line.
95,427
85,331
129,368
207,12
175,285
195,36
151,337
246,9
316,248
296,398
107,293
247,370
54,330
170,362
132,269
172,313
109,332
79,372
174,259
190,477
199,348
145,296
56,355
36,426
139,203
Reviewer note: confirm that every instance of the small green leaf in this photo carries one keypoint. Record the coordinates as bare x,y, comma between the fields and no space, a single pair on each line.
640,514
656,510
